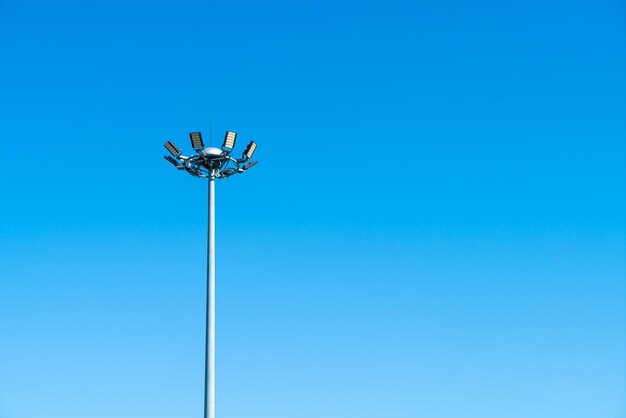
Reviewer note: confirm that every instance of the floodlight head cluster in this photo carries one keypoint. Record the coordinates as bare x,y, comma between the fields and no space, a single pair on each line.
209,161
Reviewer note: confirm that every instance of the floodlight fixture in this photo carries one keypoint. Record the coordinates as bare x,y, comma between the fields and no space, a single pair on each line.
211,163
196,140
229,140
227,173
249,150
173,149
173,161
249,165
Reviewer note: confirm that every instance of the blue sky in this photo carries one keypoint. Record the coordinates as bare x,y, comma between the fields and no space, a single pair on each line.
435,228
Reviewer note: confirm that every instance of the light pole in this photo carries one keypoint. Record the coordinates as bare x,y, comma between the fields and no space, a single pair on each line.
212,163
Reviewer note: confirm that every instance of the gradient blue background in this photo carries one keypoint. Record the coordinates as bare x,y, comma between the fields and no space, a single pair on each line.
436,227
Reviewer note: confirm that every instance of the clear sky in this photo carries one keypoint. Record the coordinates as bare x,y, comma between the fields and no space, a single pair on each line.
436,227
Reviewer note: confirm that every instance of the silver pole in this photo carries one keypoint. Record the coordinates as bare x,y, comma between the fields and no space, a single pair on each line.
209,377
212,163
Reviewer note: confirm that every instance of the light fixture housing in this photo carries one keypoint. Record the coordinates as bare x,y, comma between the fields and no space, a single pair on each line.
211,162
249,165
227,173
173,149
229,140
196,140
249,150
173,161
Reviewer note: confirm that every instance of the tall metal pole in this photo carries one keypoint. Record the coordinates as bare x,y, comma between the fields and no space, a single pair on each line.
209,377
212,163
